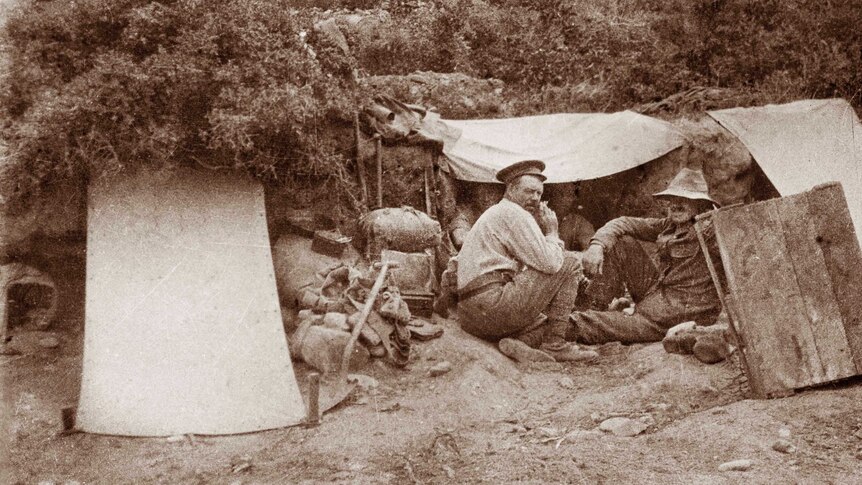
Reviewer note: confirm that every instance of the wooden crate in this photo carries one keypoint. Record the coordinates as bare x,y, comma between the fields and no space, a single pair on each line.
794,275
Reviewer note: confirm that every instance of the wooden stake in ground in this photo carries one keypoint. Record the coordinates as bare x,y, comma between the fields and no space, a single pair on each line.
360,166
313,418
378,160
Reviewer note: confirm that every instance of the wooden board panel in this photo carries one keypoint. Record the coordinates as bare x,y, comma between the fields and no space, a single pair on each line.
842,258
773,326
815,286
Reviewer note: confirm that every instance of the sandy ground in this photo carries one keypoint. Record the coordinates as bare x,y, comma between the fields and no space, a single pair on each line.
488,420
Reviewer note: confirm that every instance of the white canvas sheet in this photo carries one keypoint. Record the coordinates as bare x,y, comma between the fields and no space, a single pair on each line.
574,146
803,144
183,329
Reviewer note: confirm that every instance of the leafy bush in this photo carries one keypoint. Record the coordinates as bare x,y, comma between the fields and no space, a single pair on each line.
101,85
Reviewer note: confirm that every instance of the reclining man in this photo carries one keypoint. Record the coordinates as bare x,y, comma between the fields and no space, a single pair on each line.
510,271
674,288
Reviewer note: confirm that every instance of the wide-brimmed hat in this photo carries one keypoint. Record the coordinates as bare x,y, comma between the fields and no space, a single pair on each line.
517,169
688,183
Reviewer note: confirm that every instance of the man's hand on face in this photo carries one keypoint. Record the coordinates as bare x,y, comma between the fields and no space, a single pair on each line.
593,259
547,220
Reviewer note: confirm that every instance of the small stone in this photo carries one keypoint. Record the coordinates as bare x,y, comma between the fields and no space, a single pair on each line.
516,428
783,446
367,383
581,434
623,427
440,368
858,434
567,383
7,349
735,466
647,419
175,439
784,433
548,432
49,342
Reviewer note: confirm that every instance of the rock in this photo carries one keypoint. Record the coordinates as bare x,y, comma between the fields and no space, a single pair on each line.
549,432
516,428
710,348
647,420
175,438
623,427
440,368
783,446
581,434
735,466
567,383
49,342
784,433
367,383
8,349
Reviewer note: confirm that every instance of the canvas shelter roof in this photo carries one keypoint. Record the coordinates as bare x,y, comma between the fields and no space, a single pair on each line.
802,144
183,331
574,146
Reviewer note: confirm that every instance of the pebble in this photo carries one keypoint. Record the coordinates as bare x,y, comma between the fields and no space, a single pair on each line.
6,349
783,446
623,427
440,368
736,466
567,382
49,342
367,383
516,428
549,432
175,438
784,433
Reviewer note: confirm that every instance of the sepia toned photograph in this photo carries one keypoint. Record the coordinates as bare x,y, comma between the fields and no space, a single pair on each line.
430,242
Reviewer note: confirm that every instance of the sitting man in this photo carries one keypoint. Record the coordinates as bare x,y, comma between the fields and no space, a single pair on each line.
575,230
510,271
674,288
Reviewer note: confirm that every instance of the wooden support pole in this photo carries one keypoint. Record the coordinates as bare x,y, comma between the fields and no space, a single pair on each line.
432,185
360,166
378,159
313,417
427,178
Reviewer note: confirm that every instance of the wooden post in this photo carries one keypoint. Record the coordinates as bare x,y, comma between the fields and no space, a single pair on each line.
427,180
431,186
313,417
378,159
360,167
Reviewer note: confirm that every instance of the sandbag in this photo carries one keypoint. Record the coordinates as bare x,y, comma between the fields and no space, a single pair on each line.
399,228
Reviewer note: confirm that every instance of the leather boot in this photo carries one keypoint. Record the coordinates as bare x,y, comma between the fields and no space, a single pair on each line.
521,352
569,352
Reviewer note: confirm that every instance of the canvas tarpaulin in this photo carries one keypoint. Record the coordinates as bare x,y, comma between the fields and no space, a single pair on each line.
183,331
802,144
573,146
